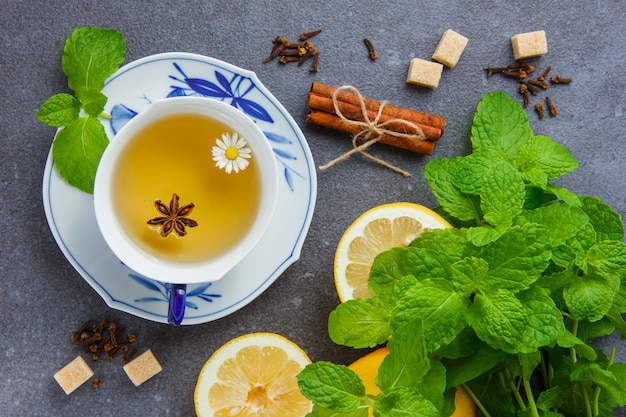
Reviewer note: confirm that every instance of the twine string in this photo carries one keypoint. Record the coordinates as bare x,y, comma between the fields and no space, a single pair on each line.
371,131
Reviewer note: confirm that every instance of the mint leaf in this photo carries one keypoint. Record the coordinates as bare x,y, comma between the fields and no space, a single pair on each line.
615,394
469,174
546,155
502,194
93,102
434,383
549,398
77,150
439,174
605,379
588,331
484,235
390,266
452,242
500,121
588,298
434,302
535,176
407,361
529,362
465,274
462,370
568,340
563,221
403,402
545,321
499,319
59,110
607,258
516,259
606,222
331,386
359,323
564,195
90,56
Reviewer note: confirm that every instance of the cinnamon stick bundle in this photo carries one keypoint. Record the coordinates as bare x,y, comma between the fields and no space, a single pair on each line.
320,102
332,121
417,117
354,112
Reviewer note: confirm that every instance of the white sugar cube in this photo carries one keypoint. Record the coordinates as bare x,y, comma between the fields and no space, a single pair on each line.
142,368
529,45
73,375
424,73
450,48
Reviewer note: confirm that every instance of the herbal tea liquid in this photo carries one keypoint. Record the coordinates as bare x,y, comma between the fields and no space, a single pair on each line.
173,155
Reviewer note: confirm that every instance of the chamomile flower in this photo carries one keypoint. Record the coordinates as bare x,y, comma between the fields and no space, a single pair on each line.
231,153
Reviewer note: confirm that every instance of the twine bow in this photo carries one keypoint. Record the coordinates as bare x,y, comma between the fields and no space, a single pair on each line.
371,131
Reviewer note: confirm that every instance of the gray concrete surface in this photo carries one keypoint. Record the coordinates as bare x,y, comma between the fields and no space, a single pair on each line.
42,298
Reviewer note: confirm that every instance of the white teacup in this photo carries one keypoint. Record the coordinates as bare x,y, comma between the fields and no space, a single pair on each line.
175,152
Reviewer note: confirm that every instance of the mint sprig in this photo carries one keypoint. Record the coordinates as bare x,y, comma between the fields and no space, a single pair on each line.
517,292
90,56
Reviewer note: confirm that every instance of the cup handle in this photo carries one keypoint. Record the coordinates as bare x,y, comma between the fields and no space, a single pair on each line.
176,311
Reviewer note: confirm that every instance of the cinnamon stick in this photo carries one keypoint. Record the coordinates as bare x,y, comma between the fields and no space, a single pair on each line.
332,121
354,112
417,117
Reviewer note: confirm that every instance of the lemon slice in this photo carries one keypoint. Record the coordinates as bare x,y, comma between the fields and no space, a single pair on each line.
377,230
253,375
367,368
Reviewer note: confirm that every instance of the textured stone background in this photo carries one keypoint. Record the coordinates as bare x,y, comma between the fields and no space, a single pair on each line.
42,298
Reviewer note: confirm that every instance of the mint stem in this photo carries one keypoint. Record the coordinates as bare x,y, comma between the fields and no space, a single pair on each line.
474,398
531,398
511,386
105,116
586,400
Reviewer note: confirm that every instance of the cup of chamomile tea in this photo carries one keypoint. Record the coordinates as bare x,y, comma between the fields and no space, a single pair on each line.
185,191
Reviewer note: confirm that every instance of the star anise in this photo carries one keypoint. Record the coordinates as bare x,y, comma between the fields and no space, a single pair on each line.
174,218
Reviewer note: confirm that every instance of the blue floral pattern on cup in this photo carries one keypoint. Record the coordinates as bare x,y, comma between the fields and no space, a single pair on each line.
162,292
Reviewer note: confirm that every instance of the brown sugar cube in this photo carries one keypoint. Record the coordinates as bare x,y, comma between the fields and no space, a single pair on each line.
142,368
424,73
73,375
529,45
450,48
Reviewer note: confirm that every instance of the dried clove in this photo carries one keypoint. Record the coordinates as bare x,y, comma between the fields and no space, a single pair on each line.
129,355
496,70
94,341
309,50
307,35
539,110
533,89
314,65
287,52
522,65
523,89
558,80
553,110
520,71
280,44
542,84
370,49
543,76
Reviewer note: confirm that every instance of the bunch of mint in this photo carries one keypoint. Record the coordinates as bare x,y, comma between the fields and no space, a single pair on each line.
90,56
506,304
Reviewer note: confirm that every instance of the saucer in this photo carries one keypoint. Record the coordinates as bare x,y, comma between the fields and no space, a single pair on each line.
72,221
